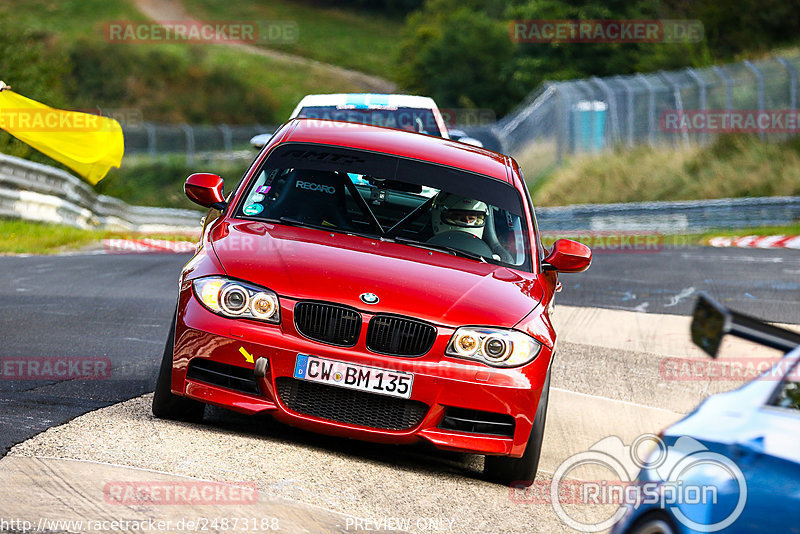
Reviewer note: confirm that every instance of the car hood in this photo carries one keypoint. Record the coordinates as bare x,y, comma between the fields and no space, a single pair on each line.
302,263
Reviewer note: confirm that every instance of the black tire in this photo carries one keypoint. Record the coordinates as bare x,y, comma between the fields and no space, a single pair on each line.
521,472
653,523
167,405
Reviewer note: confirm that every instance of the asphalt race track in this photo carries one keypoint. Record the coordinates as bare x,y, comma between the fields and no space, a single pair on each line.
618,322
108,306
119,306
764,283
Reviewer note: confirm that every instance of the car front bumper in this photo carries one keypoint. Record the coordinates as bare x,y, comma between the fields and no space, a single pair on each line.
440,382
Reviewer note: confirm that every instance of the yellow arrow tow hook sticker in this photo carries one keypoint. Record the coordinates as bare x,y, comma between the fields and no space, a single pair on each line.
247,356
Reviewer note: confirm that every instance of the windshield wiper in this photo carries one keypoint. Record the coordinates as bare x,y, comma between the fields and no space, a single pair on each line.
440,248
295,222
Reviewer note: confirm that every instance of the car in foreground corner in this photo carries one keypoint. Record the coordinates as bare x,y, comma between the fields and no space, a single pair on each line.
744,455
375,284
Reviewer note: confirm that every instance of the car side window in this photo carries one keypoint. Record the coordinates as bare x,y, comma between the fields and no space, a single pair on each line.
788,393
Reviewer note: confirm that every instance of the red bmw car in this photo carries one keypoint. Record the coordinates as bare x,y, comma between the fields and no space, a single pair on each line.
375,284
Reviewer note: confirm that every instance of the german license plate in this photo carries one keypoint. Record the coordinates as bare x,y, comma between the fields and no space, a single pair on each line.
348,375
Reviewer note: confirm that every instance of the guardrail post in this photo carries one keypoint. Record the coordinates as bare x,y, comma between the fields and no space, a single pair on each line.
629,101
702,84
561,112
651,108
227,137
189,143
792,82
676,93
584,85
151,139
613,109
760,81
726,79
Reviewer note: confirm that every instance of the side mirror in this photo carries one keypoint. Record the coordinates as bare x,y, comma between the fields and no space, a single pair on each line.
462,137
471,141
260,140
205,189
568,257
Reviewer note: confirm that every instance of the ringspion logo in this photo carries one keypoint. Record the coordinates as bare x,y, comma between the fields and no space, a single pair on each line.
684,472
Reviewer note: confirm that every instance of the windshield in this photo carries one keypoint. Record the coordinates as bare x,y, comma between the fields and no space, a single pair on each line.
418,120
411,202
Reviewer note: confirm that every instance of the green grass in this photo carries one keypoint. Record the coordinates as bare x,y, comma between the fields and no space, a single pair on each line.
675,240
27,237
166,96
69,19
363,41
147,182
287,84
23,237
732,166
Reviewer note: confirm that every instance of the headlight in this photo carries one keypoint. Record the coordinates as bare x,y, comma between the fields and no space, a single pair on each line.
493,346
231,298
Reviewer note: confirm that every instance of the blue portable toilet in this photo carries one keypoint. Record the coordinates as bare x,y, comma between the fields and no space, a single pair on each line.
588,125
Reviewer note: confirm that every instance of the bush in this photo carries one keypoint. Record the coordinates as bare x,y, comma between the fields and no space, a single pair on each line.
460,57
160,182
33,64
164,86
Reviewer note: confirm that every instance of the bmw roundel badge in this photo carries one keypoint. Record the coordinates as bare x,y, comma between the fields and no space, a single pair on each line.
369,298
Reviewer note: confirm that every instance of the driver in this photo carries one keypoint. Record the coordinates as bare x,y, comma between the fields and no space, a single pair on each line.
452,212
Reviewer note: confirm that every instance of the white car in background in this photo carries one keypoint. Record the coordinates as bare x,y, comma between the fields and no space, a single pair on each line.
406,112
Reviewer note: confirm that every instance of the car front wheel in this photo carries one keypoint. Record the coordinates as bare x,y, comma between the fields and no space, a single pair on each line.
653,524
522,471
167,405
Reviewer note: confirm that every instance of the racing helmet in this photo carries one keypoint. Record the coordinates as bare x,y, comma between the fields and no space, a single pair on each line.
454,213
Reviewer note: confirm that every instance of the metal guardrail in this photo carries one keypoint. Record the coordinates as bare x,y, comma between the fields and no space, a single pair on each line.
671,217
37,192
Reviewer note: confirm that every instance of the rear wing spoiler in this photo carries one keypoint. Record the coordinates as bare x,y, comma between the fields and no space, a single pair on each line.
711,321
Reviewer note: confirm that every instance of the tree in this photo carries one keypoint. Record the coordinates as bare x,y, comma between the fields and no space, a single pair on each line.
461,57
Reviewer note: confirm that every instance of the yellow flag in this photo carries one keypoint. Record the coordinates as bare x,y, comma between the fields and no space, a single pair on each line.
89,144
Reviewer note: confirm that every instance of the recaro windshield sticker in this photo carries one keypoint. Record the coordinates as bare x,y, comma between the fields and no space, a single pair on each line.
312,186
